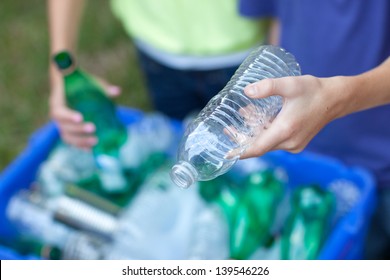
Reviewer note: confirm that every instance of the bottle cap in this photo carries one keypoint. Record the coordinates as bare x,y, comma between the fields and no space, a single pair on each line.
63,60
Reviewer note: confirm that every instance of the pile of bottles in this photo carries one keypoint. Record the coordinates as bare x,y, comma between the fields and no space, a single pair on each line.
265,218
69,200
247,213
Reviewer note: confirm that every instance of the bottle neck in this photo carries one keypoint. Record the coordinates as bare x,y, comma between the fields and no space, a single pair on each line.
65,62
184,174
69,71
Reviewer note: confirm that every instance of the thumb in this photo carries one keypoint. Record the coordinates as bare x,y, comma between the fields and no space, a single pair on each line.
260,89
113,90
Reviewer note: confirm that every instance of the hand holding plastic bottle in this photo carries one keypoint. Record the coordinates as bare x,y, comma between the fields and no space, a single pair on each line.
230,122
284,111
311,102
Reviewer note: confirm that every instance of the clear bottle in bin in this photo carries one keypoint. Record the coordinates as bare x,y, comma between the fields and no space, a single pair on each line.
83,246
90,190
54,219
150,219
65,165
346,194
154,209
308,223
210,235
28,214
153,133
230,121
84,94
224,193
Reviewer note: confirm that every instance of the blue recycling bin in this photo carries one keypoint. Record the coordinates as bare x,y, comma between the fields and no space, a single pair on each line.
344,242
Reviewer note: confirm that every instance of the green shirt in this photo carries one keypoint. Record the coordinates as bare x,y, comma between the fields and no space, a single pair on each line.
199,27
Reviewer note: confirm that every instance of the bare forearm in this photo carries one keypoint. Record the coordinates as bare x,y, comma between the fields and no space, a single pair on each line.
63,19
274,32
361,92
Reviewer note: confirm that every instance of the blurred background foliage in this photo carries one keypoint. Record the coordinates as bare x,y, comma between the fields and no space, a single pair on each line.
104,49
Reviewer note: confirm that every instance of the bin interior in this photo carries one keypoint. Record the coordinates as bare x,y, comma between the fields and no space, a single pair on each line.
344,242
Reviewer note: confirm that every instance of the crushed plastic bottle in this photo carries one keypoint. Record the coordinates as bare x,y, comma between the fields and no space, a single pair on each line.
149,221
66,164
346,194
153,133
229,123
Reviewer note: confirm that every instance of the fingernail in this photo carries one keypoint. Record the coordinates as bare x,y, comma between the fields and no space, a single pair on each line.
250,90
115,90
77,118
89,128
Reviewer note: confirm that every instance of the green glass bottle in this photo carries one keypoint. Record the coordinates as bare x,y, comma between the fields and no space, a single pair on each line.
307,225
255,215
86,96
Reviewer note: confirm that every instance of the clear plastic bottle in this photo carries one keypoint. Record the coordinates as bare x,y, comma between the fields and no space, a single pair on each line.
346,194
66,164
210,235
32,219
152,134
228,124
53,219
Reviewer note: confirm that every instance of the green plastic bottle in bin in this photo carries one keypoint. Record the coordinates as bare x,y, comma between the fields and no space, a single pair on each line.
245,234
224,193
308,223
255,214
85,95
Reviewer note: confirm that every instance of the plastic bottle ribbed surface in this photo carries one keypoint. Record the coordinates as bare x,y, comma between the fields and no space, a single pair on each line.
36,221
231,120
84,217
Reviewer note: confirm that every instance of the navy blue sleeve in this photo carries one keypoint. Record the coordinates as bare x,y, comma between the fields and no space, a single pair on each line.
257,8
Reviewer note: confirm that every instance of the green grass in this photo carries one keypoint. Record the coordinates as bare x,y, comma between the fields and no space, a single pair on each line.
104,49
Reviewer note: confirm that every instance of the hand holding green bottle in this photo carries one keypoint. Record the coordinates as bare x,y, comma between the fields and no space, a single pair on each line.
84,94
74,129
